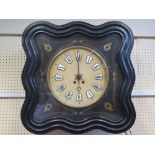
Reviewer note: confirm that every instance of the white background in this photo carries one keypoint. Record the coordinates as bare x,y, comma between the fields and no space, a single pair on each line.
81,9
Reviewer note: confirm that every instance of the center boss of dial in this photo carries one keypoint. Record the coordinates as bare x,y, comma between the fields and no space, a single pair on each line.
78,76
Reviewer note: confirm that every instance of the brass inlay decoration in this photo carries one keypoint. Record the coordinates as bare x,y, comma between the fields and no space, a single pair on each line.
47,107
107,46
108,106
47,47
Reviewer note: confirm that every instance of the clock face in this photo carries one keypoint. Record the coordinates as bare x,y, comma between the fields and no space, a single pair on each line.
78,76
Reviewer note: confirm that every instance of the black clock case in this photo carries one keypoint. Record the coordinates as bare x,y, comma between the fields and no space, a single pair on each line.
78,127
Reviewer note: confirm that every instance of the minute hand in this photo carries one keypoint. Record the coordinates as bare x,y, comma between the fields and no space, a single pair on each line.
78,57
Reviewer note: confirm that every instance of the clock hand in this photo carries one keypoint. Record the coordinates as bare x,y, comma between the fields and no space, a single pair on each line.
78,68
78,58
78,76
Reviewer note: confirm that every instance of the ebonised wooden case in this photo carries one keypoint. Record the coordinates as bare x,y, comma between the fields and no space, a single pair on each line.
114,112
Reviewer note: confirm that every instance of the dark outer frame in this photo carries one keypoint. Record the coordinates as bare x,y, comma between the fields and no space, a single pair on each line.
90,31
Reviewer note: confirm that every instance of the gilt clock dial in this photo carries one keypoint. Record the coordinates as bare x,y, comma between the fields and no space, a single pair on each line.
78,77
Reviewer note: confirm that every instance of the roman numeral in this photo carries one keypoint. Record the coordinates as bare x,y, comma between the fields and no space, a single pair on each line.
61,88
96,67
79,97
58,77
98,77
89,59
61,67
96,87
69,95
68,59
89,94
78,56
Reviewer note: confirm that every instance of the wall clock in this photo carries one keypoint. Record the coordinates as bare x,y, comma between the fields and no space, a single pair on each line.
78,77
